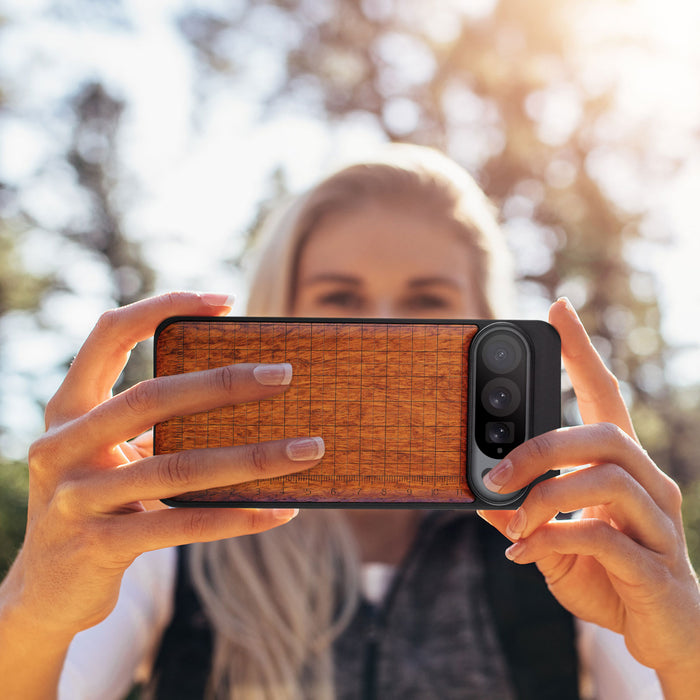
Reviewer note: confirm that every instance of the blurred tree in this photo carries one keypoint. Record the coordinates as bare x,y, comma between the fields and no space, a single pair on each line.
504,86
13,510
88,174
501,87
691,517
95,234
94,156
18,288
18,291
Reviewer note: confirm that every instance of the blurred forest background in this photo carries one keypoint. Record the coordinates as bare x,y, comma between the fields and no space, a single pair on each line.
580,119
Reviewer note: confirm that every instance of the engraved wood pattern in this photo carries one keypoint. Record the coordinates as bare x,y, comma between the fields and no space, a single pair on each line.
389,400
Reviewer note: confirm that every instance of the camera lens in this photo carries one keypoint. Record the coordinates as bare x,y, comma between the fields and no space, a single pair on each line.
500,396
502,353
499,432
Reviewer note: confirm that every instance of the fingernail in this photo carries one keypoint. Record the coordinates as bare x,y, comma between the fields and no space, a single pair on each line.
515,550
569,306
499,476
273,375
285,514
517,525
303,449
218,299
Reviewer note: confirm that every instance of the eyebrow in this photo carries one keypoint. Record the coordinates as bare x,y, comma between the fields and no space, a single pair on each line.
432,281
418,282
332,277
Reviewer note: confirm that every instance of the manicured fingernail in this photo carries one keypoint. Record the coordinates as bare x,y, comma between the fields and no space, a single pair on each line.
285,514
517,525
303,449
218,299
569,306
274,375
515,550
499,476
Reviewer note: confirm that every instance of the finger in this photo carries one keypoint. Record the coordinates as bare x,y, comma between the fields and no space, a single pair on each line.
105,352
131,452
166,476
143,444
579,445
497,518
138,448
618,554
606,486
142,532
596,388
155,400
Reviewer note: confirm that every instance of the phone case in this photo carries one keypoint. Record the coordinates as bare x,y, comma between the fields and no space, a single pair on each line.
390,398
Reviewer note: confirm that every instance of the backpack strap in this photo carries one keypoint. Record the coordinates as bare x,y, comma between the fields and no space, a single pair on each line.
536,633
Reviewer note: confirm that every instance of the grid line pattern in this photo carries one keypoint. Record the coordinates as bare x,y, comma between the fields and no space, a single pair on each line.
389,400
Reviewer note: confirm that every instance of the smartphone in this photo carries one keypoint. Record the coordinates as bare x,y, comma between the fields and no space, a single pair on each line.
413,413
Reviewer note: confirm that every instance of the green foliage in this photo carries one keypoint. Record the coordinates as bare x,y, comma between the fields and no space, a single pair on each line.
14,483
18,289
691,520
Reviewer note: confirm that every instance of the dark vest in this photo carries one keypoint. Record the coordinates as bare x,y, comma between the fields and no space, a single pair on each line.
460,621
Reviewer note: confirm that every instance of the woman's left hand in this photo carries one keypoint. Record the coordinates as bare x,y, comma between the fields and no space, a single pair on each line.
623,564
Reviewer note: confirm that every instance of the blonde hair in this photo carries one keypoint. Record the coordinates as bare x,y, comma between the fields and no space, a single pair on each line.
277,600
416,176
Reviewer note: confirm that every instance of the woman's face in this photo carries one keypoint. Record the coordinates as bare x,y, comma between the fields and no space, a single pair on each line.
385,261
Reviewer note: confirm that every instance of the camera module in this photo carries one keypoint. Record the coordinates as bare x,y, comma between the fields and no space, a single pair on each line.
514,368
501,394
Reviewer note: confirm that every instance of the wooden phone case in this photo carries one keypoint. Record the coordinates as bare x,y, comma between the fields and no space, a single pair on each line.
389,397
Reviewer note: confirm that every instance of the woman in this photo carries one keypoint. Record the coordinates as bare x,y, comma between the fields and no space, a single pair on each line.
276,602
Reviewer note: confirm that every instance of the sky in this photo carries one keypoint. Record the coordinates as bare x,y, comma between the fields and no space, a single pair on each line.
188,185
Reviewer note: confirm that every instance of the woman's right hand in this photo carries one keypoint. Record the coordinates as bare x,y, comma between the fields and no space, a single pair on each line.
88,513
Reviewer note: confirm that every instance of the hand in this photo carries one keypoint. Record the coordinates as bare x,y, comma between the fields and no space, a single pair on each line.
88,514
624,564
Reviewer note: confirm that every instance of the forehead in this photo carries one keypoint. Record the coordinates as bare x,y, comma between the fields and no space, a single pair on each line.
383,238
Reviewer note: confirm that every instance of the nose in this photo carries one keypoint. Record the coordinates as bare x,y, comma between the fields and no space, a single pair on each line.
381,308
